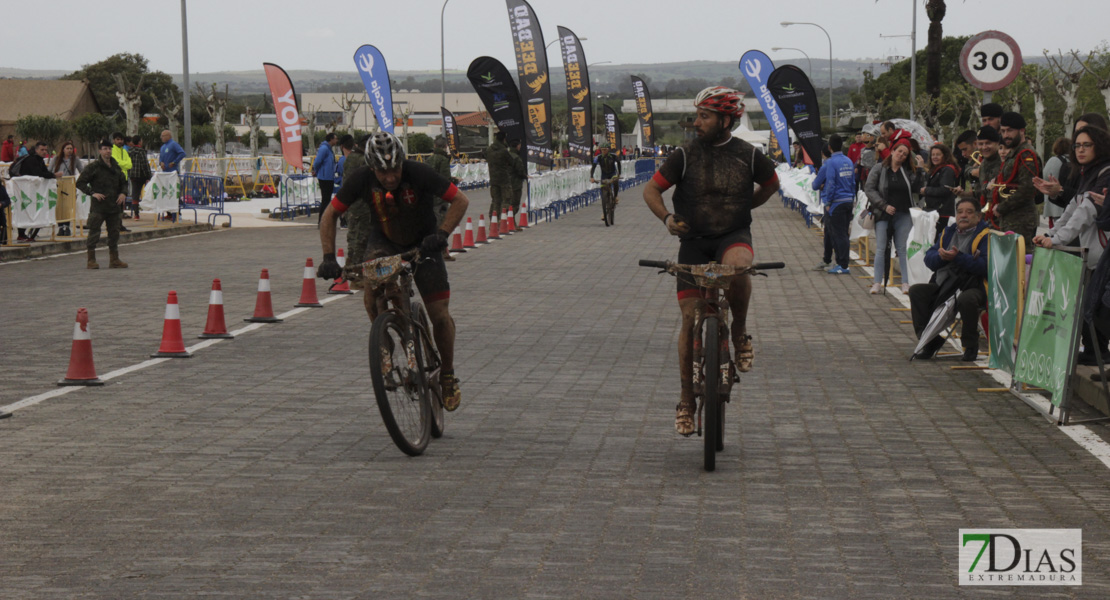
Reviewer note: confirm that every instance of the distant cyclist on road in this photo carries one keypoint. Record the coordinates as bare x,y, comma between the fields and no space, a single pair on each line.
718,180
610,167
401,194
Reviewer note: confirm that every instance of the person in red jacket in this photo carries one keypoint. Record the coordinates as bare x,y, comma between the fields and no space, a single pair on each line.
856,149
7,150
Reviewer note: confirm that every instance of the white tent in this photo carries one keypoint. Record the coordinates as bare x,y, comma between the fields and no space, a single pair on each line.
759,139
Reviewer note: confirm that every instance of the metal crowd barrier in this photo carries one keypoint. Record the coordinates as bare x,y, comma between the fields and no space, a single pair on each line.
297,195
203,192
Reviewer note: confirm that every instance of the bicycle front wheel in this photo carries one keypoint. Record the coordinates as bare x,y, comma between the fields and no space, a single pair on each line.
711,411
396,371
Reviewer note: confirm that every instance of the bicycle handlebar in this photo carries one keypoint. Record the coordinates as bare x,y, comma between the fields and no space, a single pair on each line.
768,265
655,264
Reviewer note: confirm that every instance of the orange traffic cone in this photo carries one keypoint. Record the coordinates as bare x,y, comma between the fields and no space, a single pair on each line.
308,288
468,237
215,327
504,229
263,308
173,346
512,225
456,242
523,216
340,286
494,227
81,369
481,230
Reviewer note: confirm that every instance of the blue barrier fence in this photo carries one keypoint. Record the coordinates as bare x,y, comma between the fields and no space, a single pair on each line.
203,192
297,195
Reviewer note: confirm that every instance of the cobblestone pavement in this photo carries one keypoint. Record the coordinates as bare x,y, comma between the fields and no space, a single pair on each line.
260,468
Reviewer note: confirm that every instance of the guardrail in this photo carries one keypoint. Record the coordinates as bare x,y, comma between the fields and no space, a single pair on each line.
203,192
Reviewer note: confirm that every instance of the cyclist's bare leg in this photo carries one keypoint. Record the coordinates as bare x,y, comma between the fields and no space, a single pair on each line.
443,330
738,295
689,307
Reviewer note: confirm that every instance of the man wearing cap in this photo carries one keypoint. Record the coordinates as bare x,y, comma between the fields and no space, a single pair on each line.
1013,196
991,115
105,182
987,143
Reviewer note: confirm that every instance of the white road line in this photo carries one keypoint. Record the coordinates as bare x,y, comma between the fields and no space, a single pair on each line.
1083,435
33,400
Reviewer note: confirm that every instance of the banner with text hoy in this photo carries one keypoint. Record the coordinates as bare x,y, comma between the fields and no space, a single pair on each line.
643,111
375,78
535,89
1049,325
500,96
797,99
288,117
579,103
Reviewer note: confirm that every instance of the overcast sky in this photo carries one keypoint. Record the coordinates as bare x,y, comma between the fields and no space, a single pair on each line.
236,35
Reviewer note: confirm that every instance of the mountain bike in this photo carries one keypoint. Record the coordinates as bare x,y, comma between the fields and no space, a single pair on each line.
714,371
404,363
609,188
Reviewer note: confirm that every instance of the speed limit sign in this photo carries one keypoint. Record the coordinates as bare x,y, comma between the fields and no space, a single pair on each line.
990,61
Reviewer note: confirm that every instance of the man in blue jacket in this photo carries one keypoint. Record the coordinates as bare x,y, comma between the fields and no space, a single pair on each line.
837,182
323,169
170,154
959,264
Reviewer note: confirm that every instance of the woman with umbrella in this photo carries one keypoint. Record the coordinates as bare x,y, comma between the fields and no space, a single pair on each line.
890,193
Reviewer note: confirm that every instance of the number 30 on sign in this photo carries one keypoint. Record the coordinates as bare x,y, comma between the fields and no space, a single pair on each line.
990,61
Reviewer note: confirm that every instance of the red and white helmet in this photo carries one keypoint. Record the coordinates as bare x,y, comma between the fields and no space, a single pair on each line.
726,101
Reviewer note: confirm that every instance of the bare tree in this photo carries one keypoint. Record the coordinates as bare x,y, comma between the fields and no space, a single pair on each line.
252,122
1102,80
308,131
1036,78
1068,72
348,103
216,106
130,100
170,107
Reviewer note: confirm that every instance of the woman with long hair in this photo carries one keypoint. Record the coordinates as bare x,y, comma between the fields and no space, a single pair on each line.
1060,191
944,173
66,164
890,191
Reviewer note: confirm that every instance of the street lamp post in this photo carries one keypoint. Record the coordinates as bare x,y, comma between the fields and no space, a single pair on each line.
788,23
776,49
188,125
598,118
442,66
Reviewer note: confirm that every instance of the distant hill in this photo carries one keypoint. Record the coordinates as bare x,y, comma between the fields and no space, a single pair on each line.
605,78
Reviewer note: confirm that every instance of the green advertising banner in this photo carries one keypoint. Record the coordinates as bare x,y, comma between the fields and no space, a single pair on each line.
1005,271
1048,329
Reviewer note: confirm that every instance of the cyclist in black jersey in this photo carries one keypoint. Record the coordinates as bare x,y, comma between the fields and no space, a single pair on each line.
610,167
718,180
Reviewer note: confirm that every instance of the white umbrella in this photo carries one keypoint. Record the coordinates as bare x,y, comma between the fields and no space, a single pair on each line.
917,130
942,318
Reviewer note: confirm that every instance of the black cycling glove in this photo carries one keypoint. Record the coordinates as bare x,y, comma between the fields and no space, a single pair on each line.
434,243
329,268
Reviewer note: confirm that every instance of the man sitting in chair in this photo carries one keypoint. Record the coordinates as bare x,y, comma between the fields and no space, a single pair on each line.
959,264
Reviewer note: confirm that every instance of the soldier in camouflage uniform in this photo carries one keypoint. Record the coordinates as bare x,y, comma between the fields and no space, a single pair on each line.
440,161
500,170
358,216
1014,195
987,143
105,182
517,175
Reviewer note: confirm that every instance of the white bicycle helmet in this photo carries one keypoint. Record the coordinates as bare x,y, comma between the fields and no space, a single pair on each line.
384,151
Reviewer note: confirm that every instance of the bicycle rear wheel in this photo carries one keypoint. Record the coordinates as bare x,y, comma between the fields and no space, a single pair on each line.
430,359
711,410
399,386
